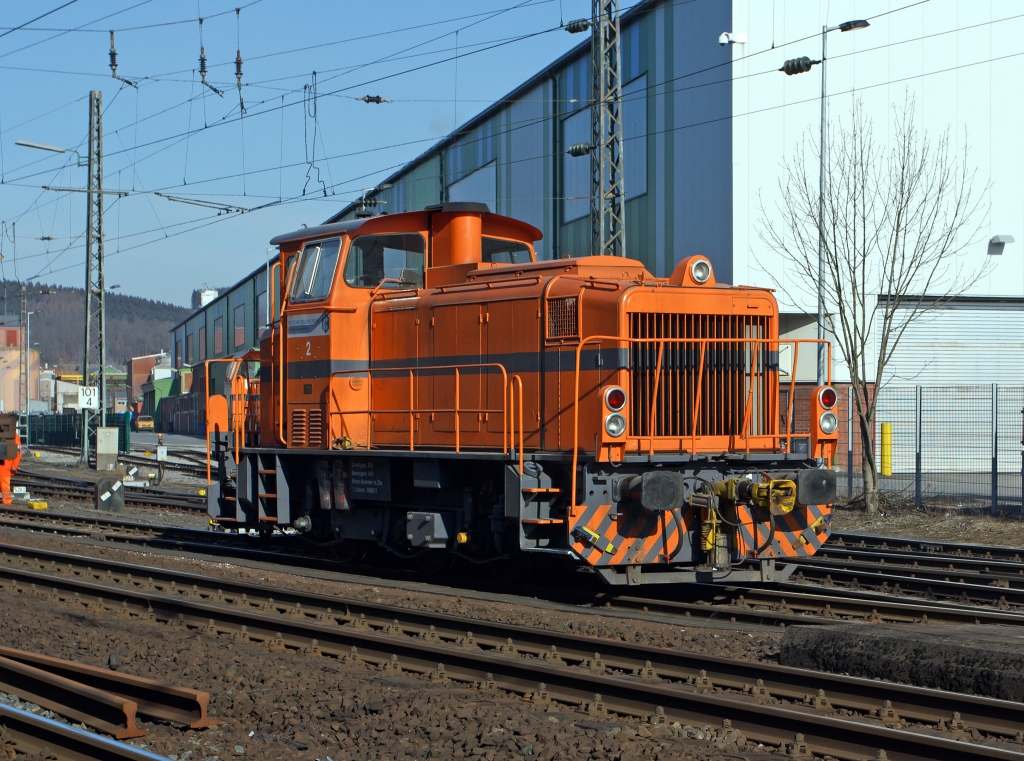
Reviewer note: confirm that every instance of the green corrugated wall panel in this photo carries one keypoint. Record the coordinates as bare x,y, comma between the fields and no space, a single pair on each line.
418,188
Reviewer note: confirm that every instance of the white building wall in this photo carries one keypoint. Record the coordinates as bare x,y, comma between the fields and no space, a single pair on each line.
961,60
953,75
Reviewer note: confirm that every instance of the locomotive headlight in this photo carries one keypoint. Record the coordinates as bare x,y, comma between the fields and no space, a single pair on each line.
700,271
615,398
615,425
828,422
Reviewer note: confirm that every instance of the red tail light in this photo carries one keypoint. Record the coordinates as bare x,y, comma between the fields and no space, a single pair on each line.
827,397
615,398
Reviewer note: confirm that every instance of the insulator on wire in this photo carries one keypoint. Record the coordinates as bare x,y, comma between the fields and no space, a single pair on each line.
374,99
580,149
202,62
577,26
113,63
113,56
238,68
798,66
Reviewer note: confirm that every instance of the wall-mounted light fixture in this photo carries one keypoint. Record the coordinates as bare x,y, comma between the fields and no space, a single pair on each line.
997,243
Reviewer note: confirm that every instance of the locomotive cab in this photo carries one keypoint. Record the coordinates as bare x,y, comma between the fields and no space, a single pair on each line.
431,388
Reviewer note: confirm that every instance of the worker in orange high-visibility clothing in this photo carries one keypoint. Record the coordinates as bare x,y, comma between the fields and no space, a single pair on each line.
9,468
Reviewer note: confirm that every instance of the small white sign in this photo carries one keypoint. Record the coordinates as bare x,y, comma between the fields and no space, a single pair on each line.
89,397
161,453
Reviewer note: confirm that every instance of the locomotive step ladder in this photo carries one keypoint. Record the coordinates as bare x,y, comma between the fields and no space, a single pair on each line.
262,490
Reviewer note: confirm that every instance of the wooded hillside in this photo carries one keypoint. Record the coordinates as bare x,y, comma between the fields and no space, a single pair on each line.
135,326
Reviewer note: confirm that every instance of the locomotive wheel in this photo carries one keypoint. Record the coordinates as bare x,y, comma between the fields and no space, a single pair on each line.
434,561
348,552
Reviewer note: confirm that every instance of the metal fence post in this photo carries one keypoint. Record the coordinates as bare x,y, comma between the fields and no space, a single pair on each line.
849,445
995,448
917,451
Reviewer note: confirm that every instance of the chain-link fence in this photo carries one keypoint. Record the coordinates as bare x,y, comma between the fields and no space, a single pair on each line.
955,445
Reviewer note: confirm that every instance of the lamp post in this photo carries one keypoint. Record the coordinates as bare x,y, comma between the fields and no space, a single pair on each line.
51,148
801,66
28,360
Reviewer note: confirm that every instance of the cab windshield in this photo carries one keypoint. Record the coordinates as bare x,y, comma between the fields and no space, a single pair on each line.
391,261
316,271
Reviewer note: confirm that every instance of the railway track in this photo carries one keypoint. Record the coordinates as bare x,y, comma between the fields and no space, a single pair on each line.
960,573
185,462
75,489
36,736
845,717
925,547
785,604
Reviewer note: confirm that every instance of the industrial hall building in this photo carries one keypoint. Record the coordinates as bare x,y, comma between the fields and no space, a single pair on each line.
709,123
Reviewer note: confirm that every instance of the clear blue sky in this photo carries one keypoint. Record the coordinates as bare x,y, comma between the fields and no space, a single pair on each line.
163,249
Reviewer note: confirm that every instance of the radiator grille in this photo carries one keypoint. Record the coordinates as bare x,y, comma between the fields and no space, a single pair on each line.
563,319
724,384
298,429
315,437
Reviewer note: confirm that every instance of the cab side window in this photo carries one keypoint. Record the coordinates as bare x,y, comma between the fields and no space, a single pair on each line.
316,271
500,251
396,259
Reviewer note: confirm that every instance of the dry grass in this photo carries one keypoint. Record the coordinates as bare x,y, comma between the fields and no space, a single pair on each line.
953,522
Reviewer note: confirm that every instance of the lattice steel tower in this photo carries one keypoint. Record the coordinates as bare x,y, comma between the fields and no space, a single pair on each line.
607,197
95,313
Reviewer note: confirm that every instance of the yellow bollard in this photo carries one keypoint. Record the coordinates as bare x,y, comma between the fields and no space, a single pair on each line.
886,449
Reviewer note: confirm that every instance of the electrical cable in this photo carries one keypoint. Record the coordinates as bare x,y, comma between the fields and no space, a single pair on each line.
90,23
688,74
137,28
48,13
793,104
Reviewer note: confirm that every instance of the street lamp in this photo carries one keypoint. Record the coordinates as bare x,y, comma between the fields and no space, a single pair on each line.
801,66
51,148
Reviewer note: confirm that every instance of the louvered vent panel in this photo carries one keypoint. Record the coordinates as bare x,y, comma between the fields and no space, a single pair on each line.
298,430
563,318
315,437
724,384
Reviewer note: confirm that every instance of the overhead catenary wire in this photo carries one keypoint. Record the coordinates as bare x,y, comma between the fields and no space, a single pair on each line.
37,18
90,23
433,138
681,127
426,139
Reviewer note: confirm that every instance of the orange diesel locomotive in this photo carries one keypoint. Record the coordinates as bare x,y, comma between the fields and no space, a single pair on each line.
429,387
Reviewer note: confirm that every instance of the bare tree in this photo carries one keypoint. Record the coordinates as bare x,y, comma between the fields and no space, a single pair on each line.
896,224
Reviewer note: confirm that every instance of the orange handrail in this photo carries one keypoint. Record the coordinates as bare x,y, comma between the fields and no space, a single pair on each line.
282,381
516,382
412,411
206,411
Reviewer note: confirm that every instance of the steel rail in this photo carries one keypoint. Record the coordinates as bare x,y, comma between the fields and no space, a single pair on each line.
751,605
158,700
542,679
1011,571
926,546
75,489
31,733
193,468
73,700
823,691
902,581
